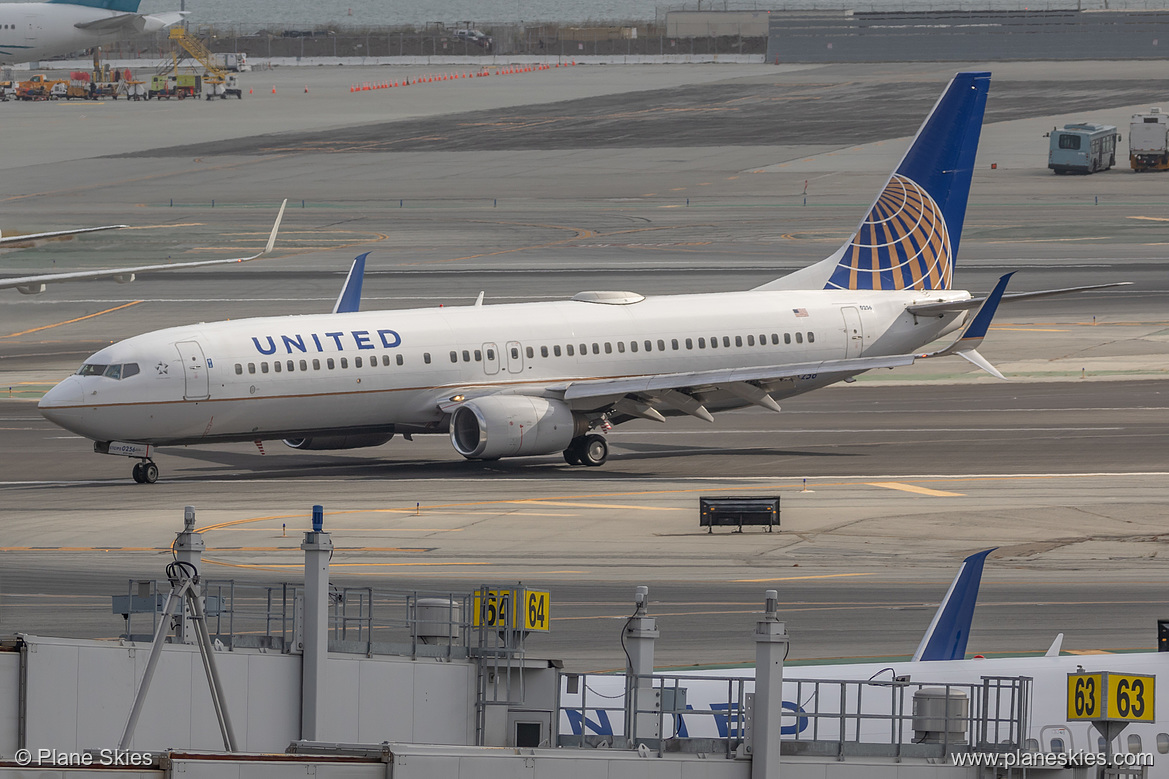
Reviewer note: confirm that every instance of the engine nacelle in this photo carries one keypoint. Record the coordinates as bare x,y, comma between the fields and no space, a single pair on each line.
513,425
339,441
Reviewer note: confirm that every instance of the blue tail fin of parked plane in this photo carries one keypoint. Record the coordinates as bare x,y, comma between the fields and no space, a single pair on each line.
948,633
122,6
909,238
350,298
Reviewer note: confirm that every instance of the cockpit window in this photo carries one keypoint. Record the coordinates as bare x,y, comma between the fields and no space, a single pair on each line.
117,372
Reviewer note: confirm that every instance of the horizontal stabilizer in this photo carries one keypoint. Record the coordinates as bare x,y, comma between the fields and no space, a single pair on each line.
948,633
349,300
949,307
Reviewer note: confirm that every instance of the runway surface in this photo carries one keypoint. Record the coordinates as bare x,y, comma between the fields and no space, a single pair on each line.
658,180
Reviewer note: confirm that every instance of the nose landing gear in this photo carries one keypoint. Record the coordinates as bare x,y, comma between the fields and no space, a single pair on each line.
145,472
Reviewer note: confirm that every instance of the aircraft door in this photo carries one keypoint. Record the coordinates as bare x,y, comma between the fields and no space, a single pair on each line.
194,370
854,332
515,357
490,359
30,28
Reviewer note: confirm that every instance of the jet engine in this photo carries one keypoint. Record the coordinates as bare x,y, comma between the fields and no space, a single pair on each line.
513,425
339,441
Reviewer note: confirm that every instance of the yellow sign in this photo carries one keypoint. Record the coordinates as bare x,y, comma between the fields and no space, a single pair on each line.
515,609
536,610
1106,696
498,611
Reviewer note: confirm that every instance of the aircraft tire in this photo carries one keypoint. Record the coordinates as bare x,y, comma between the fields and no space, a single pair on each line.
149,473
572,453
595,450
137,473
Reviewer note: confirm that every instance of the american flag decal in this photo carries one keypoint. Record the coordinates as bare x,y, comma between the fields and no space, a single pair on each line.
800,311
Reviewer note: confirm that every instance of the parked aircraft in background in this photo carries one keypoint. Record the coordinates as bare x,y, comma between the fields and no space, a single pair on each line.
540,378
33,285
36,31
1043,706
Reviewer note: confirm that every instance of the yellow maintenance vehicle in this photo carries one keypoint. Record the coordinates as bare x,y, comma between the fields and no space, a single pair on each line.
216,82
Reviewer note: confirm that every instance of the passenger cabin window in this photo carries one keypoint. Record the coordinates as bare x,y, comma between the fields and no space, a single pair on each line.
1057,745
556,349
397,358
330,364
620,347
530,352
674,344
478,356
633,346
490,356
1134,743
738,340
608,348
425,359
304,365
787,338
263,367
811,338
701,343
750,340
727,341
799,338
543,351
251,367
571,353
276,366
689,344
345,362
385,360
357,362
596,348
1163,743
466,356
649,346
454,356
239,369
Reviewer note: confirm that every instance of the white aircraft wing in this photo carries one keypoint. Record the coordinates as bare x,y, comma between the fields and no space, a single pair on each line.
136,23
32,285
6,239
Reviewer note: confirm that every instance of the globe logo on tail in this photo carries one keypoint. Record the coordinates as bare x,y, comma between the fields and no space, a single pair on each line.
902,244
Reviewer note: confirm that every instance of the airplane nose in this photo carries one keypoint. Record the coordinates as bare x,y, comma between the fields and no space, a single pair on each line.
58,405
67,393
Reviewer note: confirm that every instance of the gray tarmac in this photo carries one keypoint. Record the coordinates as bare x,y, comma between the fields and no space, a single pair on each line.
656,179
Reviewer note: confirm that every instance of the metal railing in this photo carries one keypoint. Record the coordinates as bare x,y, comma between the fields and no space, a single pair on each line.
830,717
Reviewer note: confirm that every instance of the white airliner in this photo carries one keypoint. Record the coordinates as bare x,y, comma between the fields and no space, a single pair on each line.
35,31
539,378
34,285
1033,714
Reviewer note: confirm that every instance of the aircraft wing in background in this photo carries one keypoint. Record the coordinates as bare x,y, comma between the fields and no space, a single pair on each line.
32,285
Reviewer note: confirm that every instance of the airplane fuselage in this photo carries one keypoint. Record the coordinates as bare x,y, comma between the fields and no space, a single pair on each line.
389,371
34,31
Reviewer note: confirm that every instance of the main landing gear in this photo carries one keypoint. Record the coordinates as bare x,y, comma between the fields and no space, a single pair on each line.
590,450
145,472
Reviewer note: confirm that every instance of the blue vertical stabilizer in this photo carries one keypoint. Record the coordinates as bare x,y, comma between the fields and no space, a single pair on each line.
350,298
948,633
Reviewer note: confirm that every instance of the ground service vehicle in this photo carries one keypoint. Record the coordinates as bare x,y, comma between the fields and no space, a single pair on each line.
1148,141
1082,148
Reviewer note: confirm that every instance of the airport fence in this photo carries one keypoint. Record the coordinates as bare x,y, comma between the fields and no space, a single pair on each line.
548,40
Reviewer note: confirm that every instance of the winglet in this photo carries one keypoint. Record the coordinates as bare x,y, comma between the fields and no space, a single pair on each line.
275,229
350,298
1056,646
972,335
948,633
